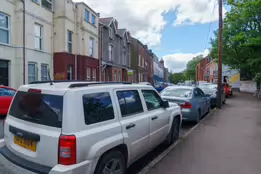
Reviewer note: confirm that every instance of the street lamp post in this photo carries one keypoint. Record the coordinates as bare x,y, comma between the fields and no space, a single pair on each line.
23,1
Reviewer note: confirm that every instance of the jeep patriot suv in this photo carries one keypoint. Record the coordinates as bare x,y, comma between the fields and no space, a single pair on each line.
84,127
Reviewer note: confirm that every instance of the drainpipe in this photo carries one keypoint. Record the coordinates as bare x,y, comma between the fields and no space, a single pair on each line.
76,41
23,1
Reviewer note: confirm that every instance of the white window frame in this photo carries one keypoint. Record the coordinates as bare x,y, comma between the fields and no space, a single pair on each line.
110,52
91,47
70,70
69,42
44,77
110,33
115,76
35,76
88,74
93,74
40,46
8,29
93,21
88,15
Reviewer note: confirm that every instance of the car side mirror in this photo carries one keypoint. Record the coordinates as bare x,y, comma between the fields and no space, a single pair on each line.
207,95
165,104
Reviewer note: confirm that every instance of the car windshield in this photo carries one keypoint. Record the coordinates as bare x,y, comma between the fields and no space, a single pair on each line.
177,92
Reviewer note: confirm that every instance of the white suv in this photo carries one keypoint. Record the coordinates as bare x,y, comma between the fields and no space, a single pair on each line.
83,128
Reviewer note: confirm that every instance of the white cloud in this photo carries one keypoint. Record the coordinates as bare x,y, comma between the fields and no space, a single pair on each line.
144,18
177,62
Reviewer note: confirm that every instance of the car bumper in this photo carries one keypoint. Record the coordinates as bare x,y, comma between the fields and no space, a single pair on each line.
213,101
17,165
189,115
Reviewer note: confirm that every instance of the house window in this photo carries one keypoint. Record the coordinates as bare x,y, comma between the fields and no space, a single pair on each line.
139,61
70,72
124,58
47,4
32,72
110,52
88,73
44,72
4,29
93,74
91,47
87,14
119,76
110,33
69,41
38,36
93,19
115,76
124,42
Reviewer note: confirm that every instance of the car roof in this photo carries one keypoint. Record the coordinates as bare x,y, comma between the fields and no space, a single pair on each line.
183,87
61,87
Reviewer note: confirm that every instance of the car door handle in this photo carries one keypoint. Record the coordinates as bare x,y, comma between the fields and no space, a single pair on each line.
130,126
154,118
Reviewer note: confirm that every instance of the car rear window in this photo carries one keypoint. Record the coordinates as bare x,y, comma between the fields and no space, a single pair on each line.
177,92
38,108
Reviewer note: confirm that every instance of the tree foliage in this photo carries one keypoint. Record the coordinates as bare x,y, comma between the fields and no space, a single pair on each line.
177,77
241,36
190,72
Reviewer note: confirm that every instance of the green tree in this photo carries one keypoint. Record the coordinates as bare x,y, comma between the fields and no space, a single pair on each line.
241,37
177,77
190,72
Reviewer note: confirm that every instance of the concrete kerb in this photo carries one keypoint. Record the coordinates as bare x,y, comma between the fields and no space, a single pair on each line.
165,153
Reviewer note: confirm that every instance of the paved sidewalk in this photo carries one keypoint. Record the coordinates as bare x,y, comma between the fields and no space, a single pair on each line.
228,142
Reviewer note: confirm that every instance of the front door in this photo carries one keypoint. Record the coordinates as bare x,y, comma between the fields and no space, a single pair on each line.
4,72
135,123
159,117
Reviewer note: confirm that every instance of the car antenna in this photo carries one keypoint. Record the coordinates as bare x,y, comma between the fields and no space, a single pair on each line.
49,76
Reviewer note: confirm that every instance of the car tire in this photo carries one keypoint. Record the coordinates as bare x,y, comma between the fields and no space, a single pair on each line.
173,135
113,159
224,102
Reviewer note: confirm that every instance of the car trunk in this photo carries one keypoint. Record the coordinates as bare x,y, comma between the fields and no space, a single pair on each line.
33,127
176,100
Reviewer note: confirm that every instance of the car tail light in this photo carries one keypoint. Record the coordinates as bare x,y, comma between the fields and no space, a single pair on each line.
186,105
67,150
35,90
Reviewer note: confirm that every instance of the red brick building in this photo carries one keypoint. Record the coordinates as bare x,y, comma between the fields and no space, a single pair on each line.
200,69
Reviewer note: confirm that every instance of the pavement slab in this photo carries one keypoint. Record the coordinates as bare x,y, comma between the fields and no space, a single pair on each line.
228,142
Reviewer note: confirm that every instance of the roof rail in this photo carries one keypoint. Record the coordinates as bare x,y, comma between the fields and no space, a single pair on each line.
78,85
56,81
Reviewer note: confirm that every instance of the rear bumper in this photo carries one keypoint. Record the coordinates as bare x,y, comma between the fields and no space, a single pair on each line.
189,115
18,165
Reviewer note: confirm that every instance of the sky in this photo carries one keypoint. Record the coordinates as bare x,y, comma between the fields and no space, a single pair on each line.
175,30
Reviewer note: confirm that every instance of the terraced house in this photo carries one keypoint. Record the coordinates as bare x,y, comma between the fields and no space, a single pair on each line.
26,46
75,41
114,51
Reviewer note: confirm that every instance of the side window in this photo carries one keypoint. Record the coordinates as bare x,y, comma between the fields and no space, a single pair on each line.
6,92
130,102
152,99
201,92
97,108
197,95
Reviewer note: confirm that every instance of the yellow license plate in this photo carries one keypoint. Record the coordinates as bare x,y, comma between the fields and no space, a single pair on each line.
28,144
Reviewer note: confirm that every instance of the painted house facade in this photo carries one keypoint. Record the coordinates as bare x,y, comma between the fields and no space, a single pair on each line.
15,69
114,51
158,70
75,41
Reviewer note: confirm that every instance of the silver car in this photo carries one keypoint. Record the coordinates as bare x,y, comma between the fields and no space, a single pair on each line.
192,100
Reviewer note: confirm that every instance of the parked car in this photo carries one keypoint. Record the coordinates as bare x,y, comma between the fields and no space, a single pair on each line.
228,89
194,103
211,90
6,97
145,83
159,86
80,127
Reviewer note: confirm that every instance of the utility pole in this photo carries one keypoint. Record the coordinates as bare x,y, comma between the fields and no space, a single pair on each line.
219,99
